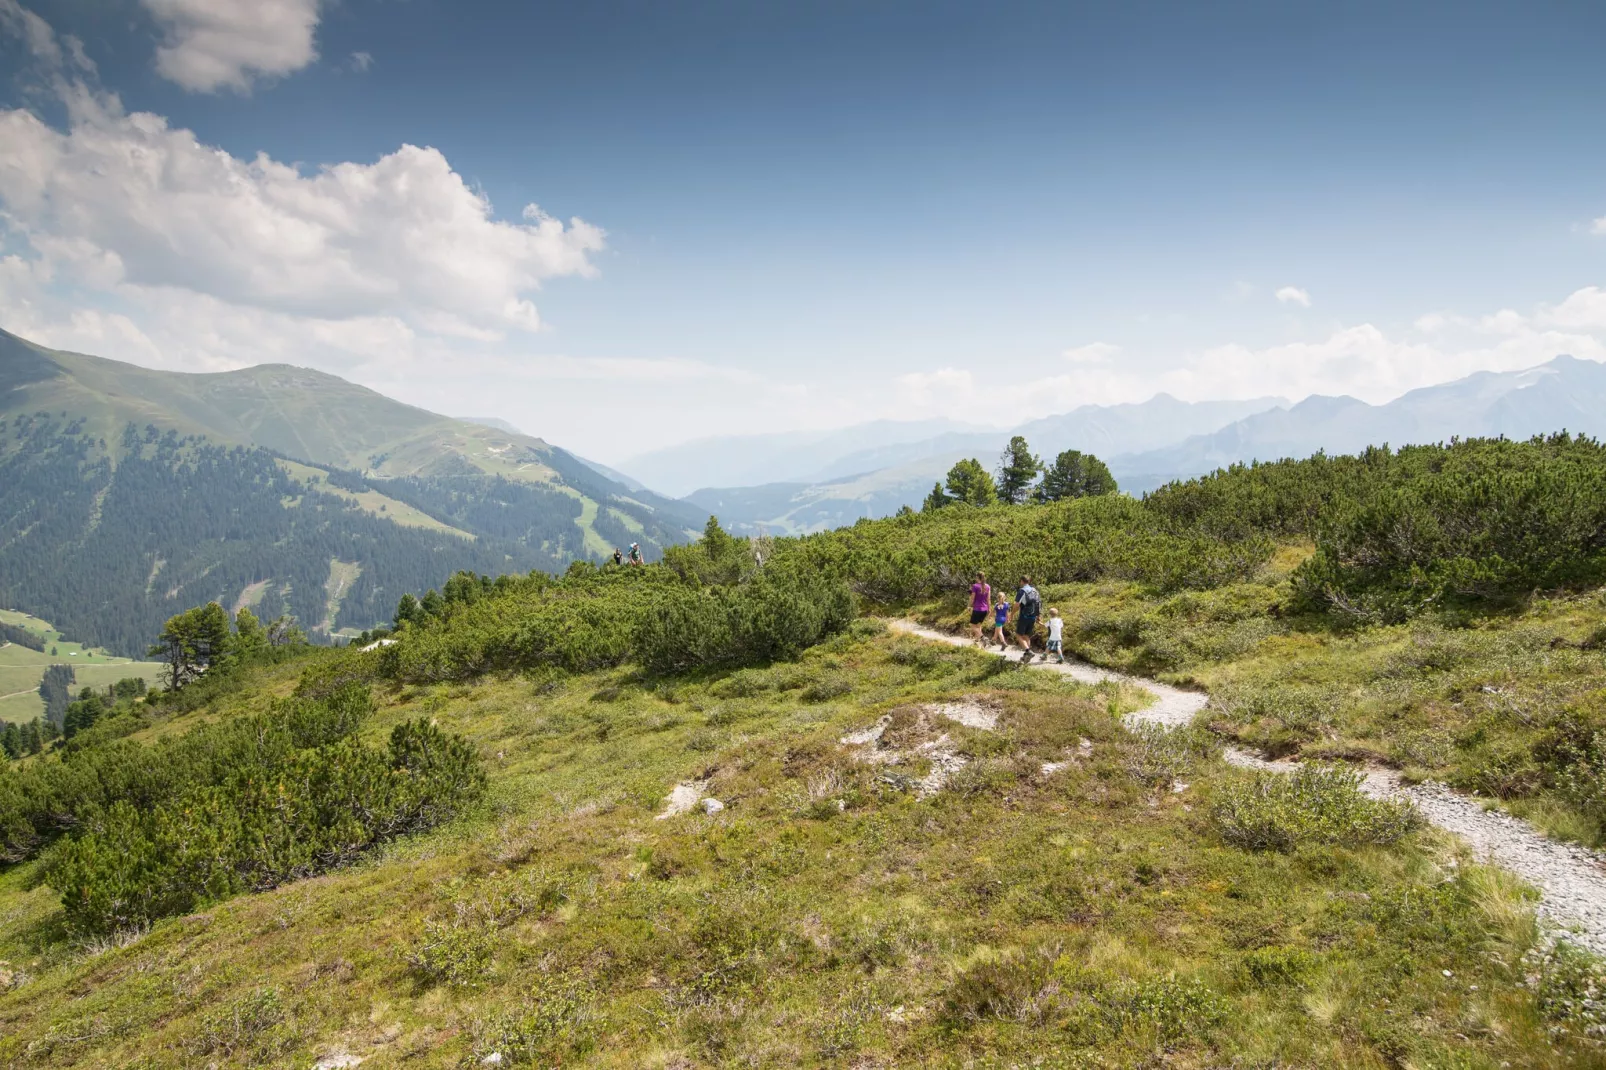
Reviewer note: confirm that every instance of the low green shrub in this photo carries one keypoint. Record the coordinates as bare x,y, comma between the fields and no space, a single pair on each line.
1315,804
268,816
1569,985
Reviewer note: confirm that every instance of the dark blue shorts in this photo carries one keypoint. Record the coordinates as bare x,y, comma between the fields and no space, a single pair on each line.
1025,626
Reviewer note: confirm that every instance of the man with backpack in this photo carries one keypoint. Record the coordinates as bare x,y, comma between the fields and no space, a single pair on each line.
1030,605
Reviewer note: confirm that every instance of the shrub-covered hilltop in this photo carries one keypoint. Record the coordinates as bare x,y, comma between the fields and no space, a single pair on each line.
714,812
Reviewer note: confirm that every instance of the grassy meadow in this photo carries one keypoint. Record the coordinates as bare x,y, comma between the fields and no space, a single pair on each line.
21,669
911,854
828,915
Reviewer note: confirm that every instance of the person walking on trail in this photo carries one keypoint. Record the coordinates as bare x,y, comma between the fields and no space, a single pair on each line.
1056,634
1030,604
1001,608
981,599
635,553
618,558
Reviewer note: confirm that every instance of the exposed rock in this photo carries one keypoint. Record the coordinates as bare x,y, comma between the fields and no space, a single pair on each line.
684,796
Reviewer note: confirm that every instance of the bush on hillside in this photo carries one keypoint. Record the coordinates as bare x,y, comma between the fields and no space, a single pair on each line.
298,813
1315,804
45,800
1476,522
772,617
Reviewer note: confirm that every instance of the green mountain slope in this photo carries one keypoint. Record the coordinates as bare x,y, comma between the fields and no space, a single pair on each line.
734,826
127,494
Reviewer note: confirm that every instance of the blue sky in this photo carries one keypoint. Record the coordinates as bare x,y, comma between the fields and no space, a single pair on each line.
806,215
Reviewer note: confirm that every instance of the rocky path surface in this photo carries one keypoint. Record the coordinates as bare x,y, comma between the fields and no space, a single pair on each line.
1571,880
1172,705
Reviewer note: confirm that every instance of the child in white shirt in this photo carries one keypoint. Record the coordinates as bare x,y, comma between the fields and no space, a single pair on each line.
1056,628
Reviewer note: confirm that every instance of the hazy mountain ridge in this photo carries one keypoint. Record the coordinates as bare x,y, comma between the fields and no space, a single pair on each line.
1193,439
876,482
1563,394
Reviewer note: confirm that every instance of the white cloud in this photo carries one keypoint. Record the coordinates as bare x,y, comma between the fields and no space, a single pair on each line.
1095,353
1598,226
226,44
1293,295
145,204
1583,309
360,61
1506,321
1431,323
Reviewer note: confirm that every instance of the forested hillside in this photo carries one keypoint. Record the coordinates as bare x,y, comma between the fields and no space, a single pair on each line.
127,493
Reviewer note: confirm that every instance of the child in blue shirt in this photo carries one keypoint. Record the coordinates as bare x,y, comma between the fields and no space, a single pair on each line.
1001,609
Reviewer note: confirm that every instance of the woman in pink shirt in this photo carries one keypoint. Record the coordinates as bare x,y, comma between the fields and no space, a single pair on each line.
981,600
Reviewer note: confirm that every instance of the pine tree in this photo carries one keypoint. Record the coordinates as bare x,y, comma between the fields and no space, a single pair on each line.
249,637
433,604
11,742
408,611
33,736
935,500
1075,474
1017,470
970,483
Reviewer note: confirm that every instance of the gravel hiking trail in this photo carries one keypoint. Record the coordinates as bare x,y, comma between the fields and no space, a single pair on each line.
1571,879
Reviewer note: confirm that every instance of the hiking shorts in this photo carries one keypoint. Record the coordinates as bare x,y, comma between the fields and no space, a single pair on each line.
1026,626
977,616
1054,646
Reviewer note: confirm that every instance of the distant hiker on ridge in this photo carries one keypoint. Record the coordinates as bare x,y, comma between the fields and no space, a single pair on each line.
1031,605
618,558
981,598
635,553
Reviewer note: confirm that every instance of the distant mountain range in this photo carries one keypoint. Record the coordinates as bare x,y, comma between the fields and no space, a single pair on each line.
127,494
876,481
1563,394
1149,444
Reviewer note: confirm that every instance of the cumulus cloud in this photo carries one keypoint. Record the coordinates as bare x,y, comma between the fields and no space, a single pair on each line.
226,44
125,198
360,61
1293,295
1583,309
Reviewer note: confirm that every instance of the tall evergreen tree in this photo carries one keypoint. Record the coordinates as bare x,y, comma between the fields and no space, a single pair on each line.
192,642
970,483
1017,470
408,611
1075,474
11,741
936,499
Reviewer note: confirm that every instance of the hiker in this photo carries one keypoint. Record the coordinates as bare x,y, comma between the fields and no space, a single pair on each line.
1001,608
618,558
635,553
981,598
1056,631
1029,604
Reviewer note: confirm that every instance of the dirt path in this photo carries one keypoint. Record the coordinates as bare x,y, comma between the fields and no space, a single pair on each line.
1172,706
1571,880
